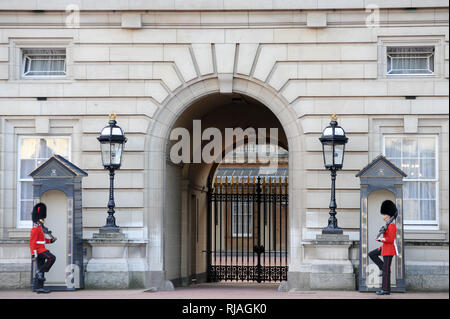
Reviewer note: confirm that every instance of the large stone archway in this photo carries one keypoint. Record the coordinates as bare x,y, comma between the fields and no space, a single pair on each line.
156,166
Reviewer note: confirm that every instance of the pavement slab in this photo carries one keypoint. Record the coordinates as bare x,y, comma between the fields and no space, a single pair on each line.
216,291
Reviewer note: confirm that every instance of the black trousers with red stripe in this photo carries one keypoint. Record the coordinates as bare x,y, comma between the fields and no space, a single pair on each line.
384,265
45,261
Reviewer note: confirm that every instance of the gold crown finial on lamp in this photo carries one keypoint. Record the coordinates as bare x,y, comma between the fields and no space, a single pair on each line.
334,117
112,116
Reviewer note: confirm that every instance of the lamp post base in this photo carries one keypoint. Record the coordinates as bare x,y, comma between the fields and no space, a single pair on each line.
332,231
109,229
106,233
109,266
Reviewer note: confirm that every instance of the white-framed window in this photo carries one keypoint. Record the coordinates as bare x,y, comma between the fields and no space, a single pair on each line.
33,151
412,57
417,156
410,60
242,219
29,57
43,63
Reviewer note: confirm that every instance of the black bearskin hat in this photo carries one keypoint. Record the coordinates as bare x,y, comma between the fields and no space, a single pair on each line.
39,212
388,208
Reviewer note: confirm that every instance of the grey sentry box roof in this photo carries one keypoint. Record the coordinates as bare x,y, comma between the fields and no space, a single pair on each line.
57,173
381,174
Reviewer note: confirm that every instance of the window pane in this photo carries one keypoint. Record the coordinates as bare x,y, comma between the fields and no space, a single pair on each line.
26,190
42,64
411,167
26,166
409,148
427,190
427,147
410,64
427,169
393,147
58,146
28,148
25,209
411,190
42,150
428,201
411,209
428,210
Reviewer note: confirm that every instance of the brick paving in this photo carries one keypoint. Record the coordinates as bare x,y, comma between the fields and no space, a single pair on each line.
215,291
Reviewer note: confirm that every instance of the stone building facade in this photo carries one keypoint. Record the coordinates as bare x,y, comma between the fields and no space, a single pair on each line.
160,64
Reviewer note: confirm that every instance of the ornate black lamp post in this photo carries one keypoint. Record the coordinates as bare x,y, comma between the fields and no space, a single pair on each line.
111,141
333,141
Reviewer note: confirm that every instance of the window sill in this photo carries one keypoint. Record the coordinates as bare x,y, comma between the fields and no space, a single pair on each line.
42,80
409,76
19,233
418,235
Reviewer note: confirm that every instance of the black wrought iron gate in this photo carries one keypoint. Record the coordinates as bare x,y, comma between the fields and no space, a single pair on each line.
248,229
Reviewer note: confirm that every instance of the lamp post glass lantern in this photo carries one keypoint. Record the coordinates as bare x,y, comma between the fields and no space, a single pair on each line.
111,141
333,141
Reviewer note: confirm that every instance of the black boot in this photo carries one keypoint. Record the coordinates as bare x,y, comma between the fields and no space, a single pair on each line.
34,284
39,288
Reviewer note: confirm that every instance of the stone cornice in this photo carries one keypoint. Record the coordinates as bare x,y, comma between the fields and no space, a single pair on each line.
217,19
206,5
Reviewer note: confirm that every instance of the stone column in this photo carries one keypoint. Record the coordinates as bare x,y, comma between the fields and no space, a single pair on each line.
185,235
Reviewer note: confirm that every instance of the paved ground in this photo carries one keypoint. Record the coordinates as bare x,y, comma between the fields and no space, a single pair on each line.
215,291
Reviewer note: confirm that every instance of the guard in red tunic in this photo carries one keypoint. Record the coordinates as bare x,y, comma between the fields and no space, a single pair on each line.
43,258
389,248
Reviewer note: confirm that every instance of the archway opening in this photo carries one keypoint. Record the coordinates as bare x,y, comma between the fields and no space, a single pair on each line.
189,179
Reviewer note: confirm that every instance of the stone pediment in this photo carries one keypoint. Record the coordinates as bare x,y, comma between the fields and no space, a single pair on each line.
57,167
381,167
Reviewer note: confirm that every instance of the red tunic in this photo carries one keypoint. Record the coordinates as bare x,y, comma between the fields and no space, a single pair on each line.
37,240
389,247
